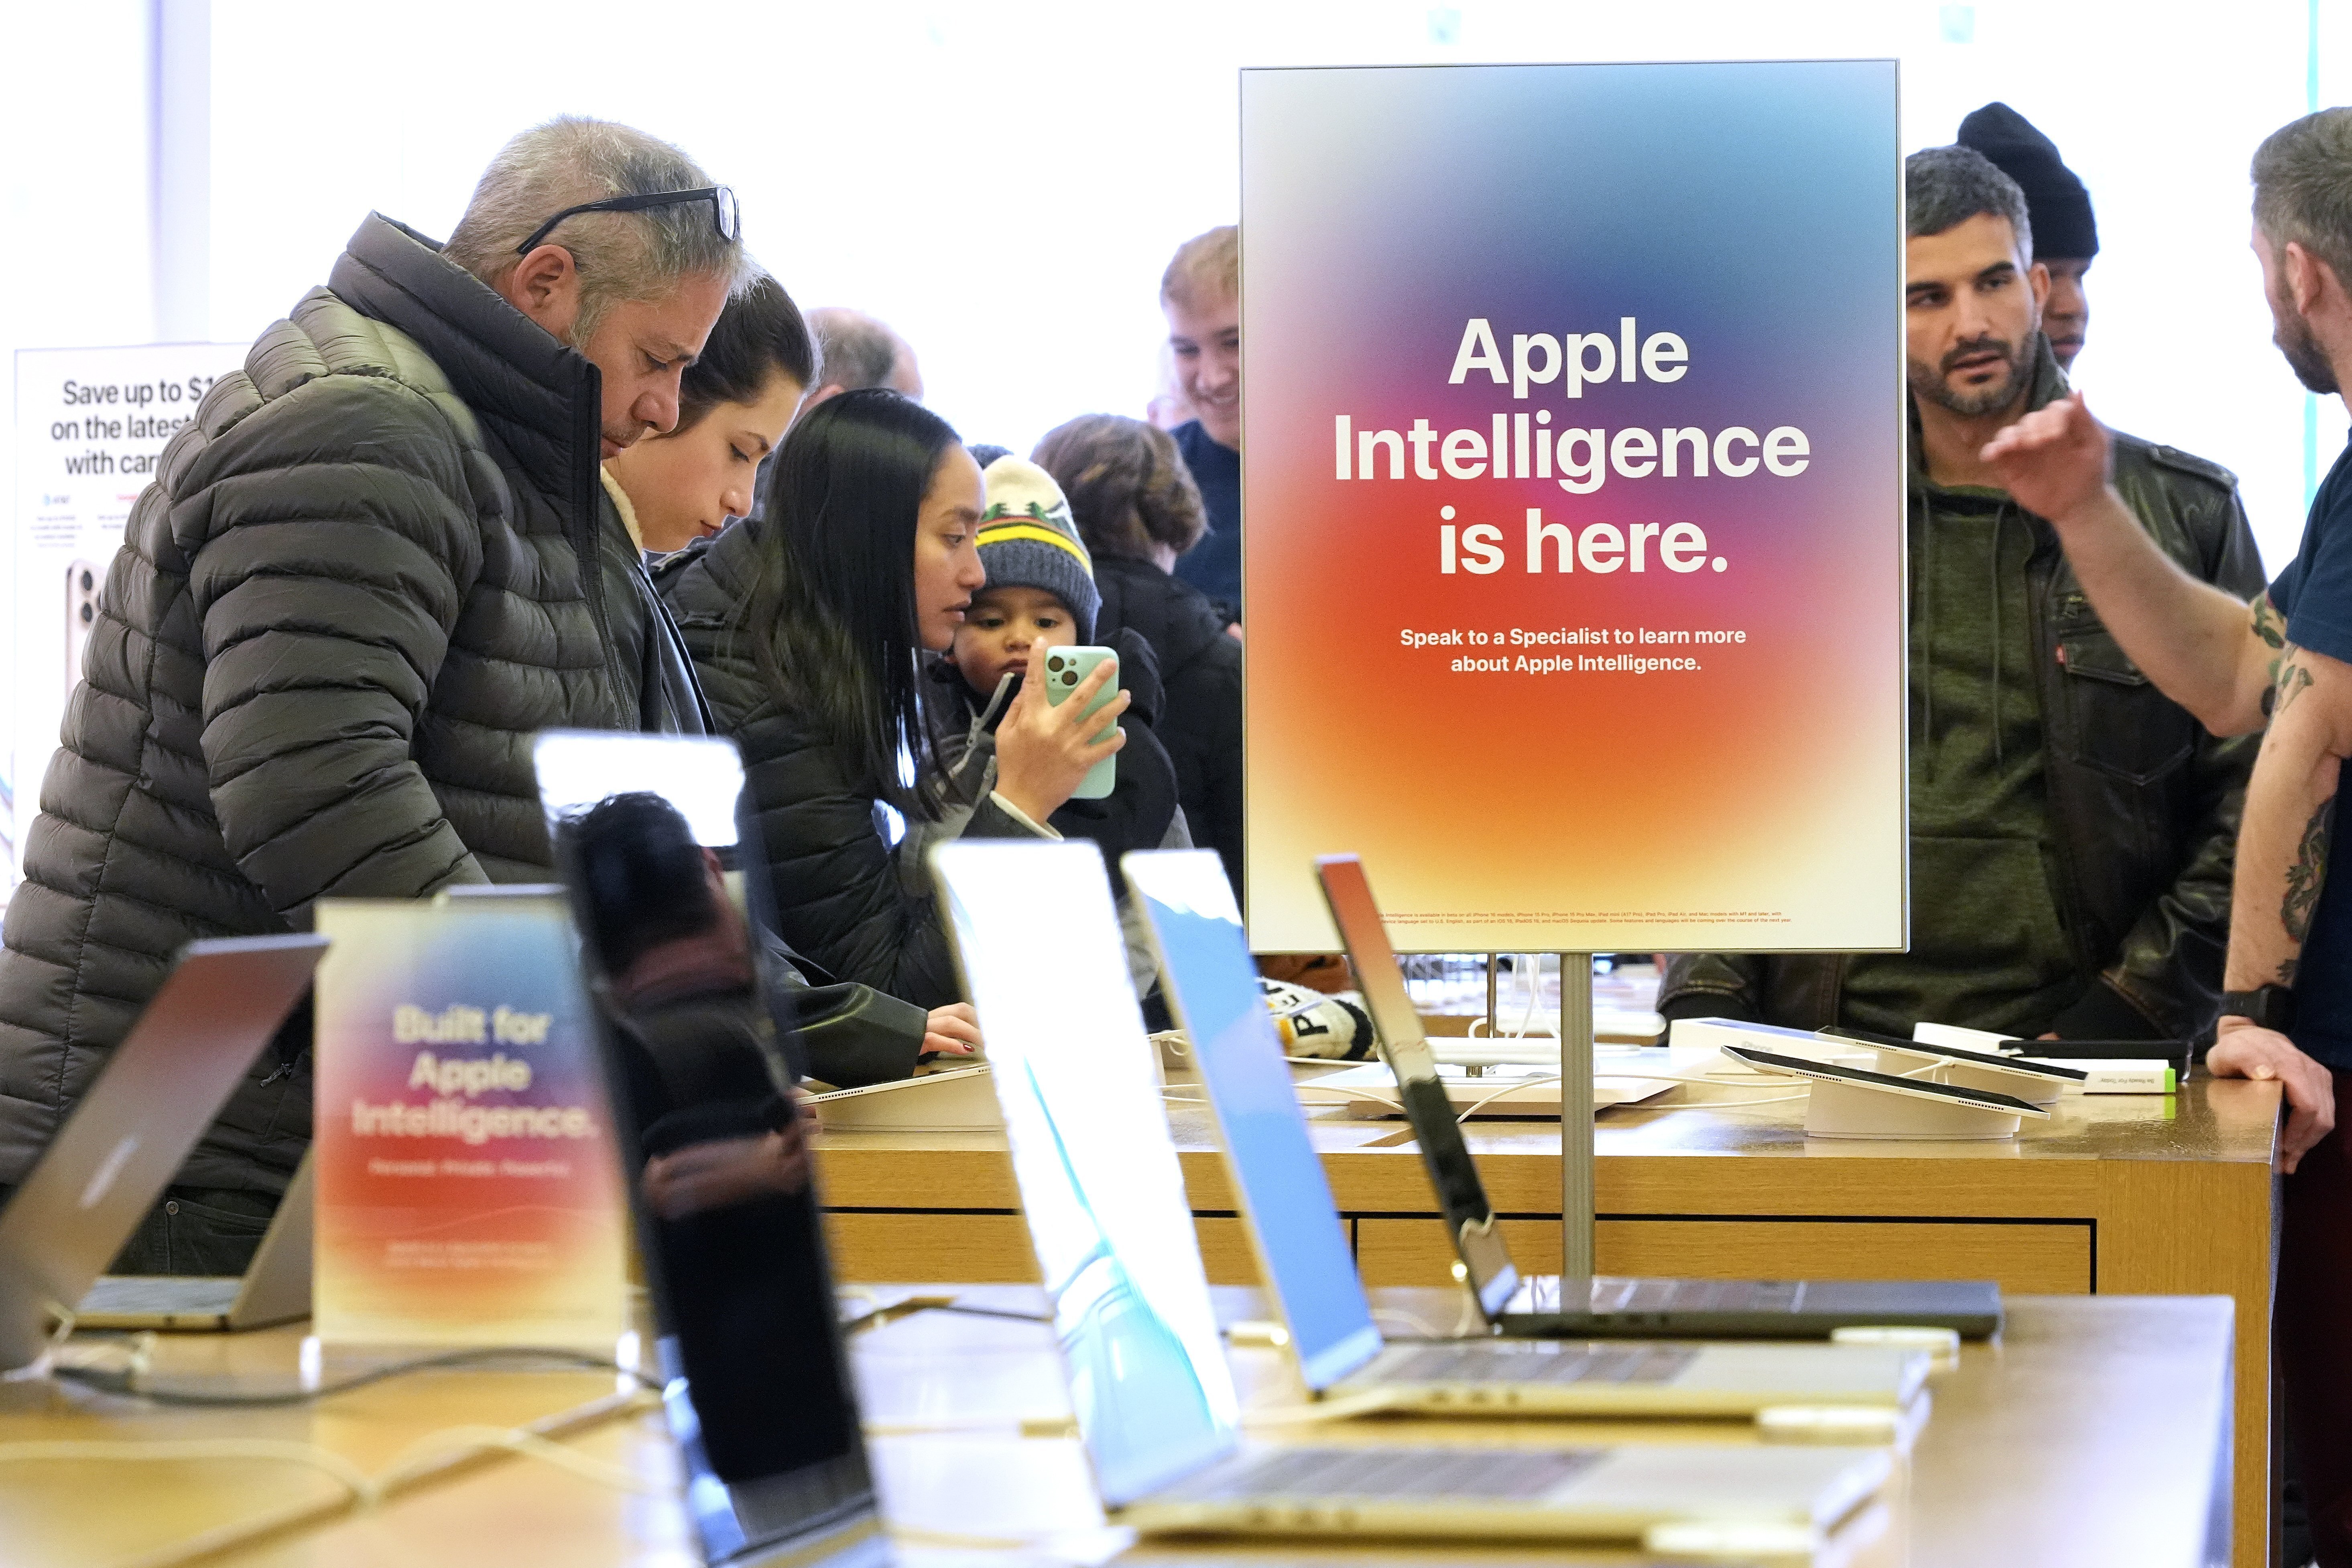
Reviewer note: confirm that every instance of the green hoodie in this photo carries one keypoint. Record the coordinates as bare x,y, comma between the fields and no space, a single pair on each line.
1986,941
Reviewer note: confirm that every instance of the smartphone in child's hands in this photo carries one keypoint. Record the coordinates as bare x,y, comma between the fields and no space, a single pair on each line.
1066,669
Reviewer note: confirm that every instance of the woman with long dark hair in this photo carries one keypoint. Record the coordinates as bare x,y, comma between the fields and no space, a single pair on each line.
734,404
807,625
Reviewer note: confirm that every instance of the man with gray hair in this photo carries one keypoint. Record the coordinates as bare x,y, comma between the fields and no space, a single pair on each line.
2281,665
855,351
2071,830
374,564
861,351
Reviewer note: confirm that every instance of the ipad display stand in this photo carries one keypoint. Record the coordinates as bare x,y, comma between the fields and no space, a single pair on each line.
1852,1103
1858,1111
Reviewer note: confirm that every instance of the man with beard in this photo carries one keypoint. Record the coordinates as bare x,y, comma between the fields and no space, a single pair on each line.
372,567
2284,668
2071,827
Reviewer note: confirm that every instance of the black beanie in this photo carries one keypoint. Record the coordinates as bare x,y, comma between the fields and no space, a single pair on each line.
2056,204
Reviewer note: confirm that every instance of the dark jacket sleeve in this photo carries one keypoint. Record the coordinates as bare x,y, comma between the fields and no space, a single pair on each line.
1712,986
839,897
853,1035
2168,969
1212,707
846,1034
327,576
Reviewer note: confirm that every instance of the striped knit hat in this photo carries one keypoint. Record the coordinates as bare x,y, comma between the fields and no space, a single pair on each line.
1027,540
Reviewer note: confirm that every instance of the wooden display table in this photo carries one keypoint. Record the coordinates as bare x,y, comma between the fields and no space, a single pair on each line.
2113,1195
2095,1434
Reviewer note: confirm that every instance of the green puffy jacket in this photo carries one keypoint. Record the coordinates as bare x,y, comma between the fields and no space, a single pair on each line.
375,563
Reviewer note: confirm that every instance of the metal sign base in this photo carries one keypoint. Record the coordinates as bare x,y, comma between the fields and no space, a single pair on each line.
1575,1126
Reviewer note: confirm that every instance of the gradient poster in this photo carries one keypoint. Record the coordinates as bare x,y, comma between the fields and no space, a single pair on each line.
1572,478
468,1188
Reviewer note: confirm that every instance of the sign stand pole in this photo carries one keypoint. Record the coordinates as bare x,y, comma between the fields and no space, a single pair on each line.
1575,1129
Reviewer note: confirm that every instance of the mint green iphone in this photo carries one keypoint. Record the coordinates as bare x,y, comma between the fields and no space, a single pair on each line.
1064,668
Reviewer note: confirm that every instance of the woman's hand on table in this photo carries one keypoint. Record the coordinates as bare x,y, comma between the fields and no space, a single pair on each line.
953,1030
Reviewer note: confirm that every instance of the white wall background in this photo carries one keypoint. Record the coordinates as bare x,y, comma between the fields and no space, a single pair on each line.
1003,179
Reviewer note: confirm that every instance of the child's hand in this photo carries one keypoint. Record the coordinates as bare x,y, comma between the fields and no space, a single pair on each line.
1044,751
952,1030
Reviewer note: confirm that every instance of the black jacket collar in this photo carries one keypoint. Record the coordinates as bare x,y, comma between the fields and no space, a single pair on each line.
540,400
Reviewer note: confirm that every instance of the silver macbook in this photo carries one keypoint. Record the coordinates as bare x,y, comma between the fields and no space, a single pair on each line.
1303,1257
1722,1309
159,1089
1039,945
275,1290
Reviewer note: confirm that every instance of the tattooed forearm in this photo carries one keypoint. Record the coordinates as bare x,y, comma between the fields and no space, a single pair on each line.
2270,630
2293,678
2269,625
2306,875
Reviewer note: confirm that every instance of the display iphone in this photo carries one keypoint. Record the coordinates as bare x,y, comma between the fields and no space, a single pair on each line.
1066,670
81,617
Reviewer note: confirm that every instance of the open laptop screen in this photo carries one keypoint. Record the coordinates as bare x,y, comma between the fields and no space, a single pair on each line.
1403,1046
756,1384
1196,927
202,1031
1045,964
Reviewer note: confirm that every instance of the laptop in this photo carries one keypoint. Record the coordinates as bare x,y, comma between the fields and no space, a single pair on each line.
697,1054
275,1290
186,1052
1038,942
1706,1308
1303,1257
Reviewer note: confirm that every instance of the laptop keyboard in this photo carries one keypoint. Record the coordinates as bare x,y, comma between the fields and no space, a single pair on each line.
1487,1362
1386,1475
158,1294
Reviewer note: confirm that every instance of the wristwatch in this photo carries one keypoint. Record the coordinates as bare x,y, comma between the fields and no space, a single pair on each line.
2266,1006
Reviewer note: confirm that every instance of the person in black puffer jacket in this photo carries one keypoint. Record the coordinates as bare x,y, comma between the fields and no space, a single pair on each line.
372,568
1136,509
805,624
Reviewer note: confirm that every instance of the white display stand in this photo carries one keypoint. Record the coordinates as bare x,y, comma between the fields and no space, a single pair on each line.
1836,1109
958,1102
1848,1102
